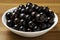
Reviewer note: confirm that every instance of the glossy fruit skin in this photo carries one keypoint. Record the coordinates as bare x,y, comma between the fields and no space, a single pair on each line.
40,9
10,23
28,4
46,9
21,6
8,15
16,20
30,18
16,26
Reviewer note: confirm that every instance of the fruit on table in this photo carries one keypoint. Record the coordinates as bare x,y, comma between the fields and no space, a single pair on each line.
30,18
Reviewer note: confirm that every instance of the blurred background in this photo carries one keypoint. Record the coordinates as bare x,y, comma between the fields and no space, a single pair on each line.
53,34
34,1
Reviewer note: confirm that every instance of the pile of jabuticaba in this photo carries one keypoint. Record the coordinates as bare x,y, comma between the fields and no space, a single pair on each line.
30,18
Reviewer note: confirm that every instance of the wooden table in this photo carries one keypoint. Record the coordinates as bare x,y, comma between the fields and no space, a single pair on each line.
53,34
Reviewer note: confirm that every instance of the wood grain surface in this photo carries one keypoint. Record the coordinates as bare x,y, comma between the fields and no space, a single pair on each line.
6,34
33,1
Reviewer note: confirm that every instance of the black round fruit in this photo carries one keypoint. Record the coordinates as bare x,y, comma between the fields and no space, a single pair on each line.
28,4
16,20
10,23
30,18
8,15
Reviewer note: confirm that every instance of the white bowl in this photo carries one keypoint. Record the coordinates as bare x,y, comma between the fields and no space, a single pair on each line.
28,34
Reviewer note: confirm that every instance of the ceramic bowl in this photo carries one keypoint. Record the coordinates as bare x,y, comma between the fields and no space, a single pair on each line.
28,34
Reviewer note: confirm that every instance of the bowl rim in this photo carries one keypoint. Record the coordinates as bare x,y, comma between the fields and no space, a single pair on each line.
56,21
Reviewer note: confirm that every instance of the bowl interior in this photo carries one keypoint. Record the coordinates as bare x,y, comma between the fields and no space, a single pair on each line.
10,10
